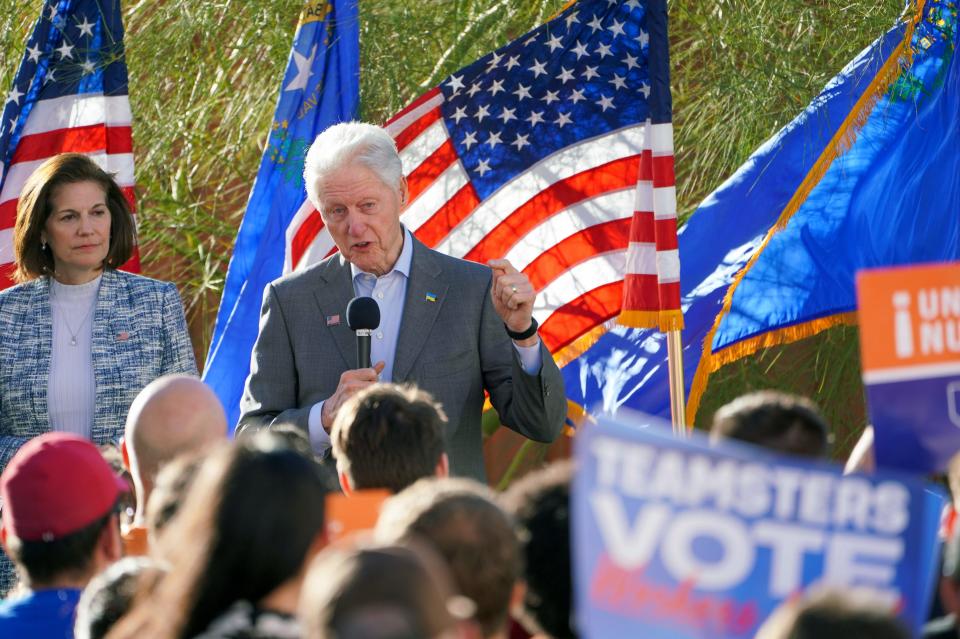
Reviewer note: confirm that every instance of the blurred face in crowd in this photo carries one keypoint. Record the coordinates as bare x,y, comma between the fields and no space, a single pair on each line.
78,231
363,217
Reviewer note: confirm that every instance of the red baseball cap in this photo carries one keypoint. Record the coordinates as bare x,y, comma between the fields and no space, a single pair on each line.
55,485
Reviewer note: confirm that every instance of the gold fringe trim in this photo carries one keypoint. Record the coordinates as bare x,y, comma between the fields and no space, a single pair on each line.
670,321
899,59
779,337
750,346
639,319
580,345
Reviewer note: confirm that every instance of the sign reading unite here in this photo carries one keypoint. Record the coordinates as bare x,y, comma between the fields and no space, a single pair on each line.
910,343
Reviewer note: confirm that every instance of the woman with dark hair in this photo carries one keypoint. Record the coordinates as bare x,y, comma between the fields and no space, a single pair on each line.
238,548
81,338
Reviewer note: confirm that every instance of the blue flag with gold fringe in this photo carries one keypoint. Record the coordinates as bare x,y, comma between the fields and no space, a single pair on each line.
321,86
868,175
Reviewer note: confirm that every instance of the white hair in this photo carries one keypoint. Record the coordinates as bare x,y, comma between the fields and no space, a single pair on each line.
347,142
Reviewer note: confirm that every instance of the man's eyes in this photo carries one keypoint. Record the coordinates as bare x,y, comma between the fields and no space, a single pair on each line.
340,211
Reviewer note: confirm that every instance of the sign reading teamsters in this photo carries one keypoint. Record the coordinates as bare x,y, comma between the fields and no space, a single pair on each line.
676,539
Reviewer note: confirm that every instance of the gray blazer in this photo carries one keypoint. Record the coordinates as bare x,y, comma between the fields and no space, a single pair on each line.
454,348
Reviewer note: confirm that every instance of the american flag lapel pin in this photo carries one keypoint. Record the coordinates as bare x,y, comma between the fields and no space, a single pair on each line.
431,297
333,320
123,336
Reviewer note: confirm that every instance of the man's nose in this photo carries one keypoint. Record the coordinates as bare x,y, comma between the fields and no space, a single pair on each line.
355,225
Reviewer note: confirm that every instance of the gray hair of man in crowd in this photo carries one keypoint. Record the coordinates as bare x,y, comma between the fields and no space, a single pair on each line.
172,415
348,142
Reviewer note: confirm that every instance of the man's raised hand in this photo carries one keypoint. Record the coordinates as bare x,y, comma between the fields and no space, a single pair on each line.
513,297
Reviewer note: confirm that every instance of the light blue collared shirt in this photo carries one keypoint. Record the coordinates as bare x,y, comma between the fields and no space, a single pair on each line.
389,291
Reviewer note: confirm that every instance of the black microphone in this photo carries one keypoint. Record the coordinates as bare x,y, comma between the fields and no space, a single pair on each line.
363,316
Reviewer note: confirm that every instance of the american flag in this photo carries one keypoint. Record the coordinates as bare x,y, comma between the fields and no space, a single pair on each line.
69,94
546,152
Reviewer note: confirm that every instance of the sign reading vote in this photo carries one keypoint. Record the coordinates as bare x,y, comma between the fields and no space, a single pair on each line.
910,342
676,539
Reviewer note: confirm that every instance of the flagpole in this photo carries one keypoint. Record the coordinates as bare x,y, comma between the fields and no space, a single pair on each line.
678,407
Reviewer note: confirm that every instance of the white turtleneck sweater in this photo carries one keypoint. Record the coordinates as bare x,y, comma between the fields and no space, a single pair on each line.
71,394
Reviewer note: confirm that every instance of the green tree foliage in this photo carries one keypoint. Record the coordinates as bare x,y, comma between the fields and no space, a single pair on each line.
204,76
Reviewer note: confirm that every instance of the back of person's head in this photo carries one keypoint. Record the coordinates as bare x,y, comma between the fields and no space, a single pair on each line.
461,520
540,504
389,436
834,614
363,591
172,415
60,501
778,421
110,595
250,520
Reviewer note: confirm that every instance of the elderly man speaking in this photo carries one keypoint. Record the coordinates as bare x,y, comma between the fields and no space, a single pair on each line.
452,327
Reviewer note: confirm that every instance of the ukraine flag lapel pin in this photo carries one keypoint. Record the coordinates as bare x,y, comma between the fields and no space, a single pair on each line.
431,297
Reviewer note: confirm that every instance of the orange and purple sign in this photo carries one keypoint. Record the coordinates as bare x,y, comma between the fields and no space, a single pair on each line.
910,344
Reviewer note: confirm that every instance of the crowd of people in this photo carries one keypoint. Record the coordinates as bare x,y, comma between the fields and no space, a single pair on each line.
231,539
127,512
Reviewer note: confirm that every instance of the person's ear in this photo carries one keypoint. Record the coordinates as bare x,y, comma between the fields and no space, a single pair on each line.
443,466
404,191
345,483
111,545
3,539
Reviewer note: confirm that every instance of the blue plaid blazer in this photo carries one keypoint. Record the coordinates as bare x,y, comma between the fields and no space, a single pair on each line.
139,334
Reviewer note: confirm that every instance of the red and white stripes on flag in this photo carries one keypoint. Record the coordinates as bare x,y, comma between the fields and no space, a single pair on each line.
93,124
652,280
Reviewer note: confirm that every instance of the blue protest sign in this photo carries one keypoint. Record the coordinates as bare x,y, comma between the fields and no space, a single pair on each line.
677,539
910,347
